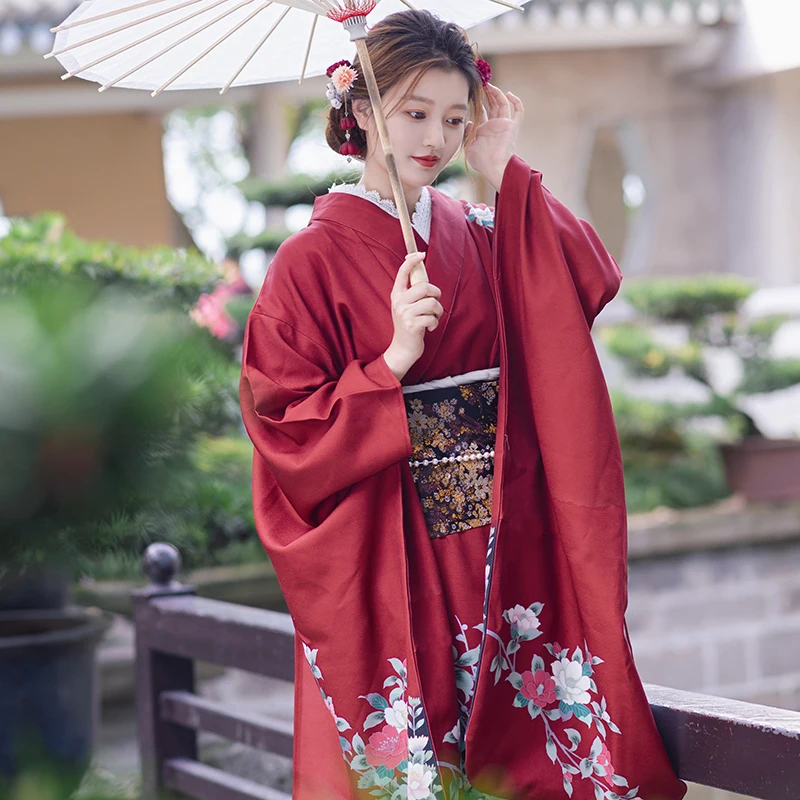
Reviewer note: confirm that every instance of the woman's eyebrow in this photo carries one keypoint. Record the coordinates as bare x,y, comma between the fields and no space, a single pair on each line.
430,102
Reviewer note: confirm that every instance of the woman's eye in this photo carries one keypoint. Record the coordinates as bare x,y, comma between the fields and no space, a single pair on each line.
456,121
420,113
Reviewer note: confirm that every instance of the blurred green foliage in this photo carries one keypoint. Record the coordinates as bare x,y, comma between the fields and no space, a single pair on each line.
41,251
207,514
664,465
304,189
667,462
690,299
710,308
119,416
294,190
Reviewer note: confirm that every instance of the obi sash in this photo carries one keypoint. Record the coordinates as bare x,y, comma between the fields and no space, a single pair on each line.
453,422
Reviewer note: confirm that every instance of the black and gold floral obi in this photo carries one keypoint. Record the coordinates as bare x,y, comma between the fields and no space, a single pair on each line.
452,437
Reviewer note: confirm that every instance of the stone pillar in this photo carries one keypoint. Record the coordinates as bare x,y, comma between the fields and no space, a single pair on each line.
270,141
760,154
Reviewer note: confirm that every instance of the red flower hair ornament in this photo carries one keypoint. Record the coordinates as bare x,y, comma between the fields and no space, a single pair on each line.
484,70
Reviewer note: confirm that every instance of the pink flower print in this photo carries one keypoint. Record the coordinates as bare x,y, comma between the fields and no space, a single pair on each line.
523,618
604,760
567,776
419,782
538,686
387,748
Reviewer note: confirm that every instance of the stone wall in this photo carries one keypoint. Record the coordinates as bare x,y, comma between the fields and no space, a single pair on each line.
715,616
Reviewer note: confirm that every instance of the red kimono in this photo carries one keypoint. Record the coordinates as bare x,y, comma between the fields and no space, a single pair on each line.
515,628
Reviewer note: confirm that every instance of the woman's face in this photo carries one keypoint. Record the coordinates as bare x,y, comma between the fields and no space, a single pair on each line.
426,129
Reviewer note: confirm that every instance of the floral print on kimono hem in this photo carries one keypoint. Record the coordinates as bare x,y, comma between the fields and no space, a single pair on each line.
558,695
397,760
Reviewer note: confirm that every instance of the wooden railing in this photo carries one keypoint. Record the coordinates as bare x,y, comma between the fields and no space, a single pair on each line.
740,747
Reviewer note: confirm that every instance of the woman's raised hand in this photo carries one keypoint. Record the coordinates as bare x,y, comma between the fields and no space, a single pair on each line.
415,309
496,135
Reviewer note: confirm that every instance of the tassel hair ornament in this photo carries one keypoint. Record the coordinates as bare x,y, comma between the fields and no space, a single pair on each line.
343,76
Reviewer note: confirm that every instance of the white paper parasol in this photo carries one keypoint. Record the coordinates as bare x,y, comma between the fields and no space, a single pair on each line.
160,45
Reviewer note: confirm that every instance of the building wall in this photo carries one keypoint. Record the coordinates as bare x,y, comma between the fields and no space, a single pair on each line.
669,134
105,173
760,141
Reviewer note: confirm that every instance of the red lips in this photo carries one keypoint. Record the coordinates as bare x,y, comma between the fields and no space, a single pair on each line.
426,161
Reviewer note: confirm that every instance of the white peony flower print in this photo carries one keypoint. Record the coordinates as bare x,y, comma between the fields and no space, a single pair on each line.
572,686
523,618
420,778
417,744
397,715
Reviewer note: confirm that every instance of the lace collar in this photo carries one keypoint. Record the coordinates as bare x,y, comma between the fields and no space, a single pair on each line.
420,219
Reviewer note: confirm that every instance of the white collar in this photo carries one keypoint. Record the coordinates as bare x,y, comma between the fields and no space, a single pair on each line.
420,219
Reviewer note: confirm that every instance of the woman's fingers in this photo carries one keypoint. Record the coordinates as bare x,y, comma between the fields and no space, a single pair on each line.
499,104
428,305
426,321
516,106
420,290
404,273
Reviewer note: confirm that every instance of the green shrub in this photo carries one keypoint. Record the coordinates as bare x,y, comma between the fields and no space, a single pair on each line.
710,309
688,299
664,464
42,251
207,515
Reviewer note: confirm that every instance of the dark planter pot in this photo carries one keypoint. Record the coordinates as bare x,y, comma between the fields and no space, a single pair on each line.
763,470
48,692
35,588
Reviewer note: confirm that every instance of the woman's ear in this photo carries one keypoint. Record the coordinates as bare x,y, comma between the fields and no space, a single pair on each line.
362,113
468,127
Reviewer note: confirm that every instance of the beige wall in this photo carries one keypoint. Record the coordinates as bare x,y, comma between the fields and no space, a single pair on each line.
569,94
760,138
105,173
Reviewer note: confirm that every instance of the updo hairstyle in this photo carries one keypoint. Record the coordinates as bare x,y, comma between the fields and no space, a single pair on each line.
399,44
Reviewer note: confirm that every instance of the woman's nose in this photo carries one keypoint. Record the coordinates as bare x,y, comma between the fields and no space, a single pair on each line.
434,136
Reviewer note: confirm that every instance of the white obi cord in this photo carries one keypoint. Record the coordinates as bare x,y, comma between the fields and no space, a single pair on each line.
491,374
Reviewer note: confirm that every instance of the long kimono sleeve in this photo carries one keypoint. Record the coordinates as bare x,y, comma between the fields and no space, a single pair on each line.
318,432
593,271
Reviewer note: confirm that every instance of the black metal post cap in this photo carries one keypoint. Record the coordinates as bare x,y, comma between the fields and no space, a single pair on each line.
161,563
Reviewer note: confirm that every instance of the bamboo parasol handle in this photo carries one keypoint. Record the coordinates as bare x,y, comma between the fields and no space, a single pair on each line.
419,273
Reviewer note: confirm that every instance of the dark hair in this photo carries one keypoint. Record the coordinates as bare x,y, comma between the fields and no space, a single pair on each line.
402,43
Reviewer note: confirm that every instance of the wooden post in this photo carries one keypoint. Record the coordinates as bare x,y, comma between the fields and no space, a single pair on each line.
158,672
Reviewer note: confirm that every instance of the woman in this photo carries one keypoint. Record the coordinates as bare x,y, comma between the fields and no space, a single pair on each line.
437,476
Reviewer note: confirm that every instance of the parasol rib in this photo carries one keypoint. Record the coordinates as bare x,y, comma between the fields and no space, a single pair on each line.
65,26
507,4
143,39
255,50
212,46
124,27
308,48
173,45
